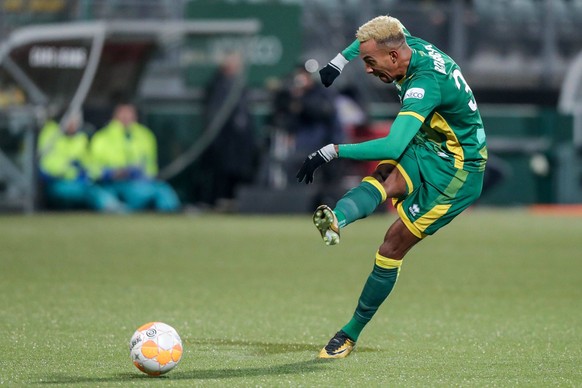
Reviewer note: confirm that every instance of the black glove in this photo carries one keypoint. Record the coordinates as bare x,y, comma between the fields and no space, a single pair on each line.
328,74
313,161
332,70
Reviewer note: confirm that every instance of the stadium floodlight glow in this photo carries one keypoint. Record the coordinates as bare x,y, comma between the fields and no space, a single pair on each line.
311,65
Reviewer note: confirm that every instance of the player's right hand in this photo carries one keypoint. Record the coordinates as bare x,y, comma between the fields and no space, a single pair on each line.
332,70
314,161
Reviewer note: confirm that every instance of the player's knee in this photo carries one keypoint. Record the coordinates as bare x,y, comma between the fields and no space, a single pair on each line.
397,241
390,250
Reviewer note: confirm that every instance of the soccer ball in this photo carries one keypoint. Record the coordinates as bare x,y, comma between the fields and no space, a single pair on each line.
155,348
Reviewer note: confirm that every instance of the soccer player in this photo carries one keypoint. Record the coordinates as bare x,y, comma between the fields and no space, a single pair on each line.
431,163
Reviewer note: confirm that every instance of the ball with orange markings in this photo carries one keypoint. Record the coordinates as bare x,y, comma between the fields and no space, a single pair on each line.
155,348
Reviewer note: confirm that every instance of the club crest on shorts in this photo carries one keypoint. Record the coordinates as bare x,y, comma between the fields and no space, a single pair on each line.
414,209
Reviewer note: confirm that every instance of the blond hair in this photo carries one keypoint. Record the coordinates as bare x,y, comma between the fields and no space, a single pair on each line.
383,29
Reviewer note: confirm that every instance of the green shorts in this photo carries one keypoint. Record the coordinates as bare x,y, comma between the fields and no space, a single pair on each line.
437,191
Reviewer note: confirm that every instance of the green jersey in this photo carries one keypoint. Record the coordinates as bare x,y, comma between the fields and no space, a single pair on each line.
438,108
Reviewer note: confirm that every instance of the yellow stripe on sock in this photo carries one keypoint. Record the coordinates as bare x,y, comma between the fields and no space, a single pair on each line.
387,263
374,182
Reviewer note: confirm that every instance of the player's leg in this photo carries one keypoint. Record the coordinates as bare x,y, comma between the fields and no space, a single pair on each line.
421,213
361,201
397,242
432,202
398,181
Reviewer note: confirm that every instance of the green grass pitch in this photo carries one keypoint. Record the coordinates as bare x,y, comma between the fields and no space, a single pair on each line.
494,299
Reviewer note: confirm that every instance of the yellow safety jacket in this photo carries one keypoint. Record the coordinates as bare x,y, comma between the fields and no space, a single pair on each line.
112,148
62,156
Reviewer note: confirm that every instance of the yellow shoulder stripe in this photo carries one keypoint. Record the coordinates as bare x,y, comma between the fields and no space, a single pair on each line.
413,114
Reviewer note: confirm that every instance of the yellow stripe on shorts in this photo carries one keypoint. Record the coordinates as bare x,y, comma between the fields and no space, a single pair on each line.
402,172
431,216
406,178
388,161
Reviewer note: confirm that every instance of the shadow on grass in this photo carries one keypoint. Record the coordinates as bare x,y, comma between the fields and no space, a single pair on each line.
303,367
307,366
257,347
264,348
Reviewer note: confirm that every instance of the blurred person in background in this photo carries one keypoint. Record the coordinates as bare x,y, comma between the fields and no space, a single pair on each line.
352,113
124,154
316,118
64,165
232,158
431,164
310,115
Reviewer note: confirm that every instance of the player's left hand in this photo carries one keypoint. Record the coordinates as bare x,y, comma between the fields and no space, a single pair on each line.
332,70
314,161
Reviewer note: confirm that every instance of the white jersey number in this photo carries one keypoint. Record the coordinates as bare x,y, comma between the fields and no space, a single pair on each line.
458,78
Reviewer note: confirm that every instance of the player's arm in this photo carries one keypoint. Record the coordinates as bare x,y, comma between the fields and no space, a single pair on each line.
418,102
421,98
403,129
390,147
333,69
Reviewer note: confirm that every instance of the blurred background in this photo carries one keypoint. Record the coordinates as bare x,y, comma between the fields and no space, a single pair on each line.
231,91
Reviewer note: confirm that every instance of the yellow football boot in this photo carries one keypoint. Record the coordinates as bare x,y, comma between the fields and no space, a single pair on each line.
325,221
340,346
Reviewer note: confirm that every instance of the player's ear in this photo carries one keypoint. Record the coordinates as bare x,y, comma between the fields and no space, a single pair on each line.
393,55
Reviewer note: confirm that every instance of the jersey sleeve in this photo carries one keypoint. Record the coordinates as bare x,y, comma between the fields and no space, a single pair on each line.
390,147
352,51
422,96
418,102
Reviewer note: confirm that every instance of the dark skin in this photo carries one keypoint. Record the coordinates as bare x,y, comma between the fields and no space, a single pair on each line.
398,239
389,63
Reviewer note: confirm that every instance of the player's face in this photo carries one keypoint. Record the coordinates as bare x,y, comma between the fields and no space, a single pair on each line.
380,61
